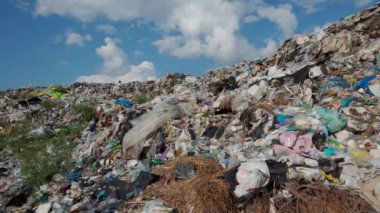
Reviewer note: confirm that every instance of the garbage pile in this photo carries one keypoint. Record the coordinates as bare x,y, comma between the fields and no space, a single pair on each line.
297,132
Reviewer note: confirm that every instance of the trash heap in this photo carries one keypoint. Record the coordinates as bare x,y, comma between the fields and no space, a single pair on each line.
296,132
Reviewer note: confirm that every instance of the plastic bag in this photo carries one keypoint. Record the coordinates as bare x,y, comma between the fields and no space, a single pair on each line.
251,175
124,102
301,143
331,119
146,125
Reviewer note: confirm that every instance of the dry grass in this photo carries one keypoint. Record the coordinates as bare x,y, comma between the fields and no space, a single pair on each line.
201,194
207,193
204,193
259,204
203,167
317,198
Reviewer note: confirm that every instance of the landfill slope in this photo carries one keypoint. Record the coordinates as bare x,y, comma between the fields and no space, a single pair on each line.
295,132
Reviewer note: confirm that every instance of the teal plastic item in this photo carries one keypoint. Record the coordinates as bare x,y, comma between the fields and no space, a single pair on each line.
281,118
337,82
94,167
377,56
376,69
157,161
292,127
333,82
101,195
124,102
329,151
331,119
346,102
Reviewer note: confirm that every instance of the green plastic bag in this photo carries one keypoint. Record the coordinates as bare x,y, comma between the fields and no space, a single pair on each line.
331,119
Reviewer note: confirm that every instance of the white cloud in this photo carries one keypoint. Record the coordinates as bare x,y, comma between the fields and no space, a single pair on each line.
251,19
361,3
142,72
318,29
116,66
218,38
73,38
22,4
55,39
138,53
311,6
115,61
202,34
115,10
282,16
269,49
106,28
189,28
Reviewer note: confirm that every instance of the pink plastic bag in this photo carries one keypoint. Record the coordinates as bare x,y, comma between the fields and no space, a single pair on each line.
302,144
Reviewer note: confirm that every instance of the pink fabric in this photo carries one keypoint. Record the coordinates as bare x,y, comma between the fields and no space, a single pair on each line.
282,150
297,142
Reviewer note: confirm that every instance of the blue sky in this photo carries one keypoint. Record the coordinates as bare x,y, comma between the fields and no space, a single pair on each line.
46,42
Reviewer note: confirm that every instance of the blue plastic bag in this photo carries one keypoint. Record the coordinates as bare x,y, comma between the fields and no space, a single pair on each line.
124,102
364,83
376,69
74,176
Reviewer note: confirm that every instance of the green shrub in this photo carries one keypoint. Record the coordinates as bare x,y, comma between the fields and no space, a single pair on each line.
24,95
142,99
42,156
47,104
85,110
206,114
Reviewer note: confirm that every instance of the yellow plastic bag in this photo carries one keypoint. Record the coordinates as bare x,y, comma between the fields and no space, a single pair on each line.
360,154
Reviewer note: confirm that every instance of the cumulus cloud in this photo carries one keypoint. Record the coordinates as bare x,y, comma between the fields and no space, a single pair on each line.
115,61
116,66
73,38
319,28
142,72
114,10
106,28
282,16
202,34
206,30
269,49
251,19
311,6
189,28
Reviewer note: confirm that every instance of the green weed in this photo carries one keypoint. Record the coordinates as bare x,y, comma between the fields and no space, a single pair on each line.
86,110
48,104
41,156
142,99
